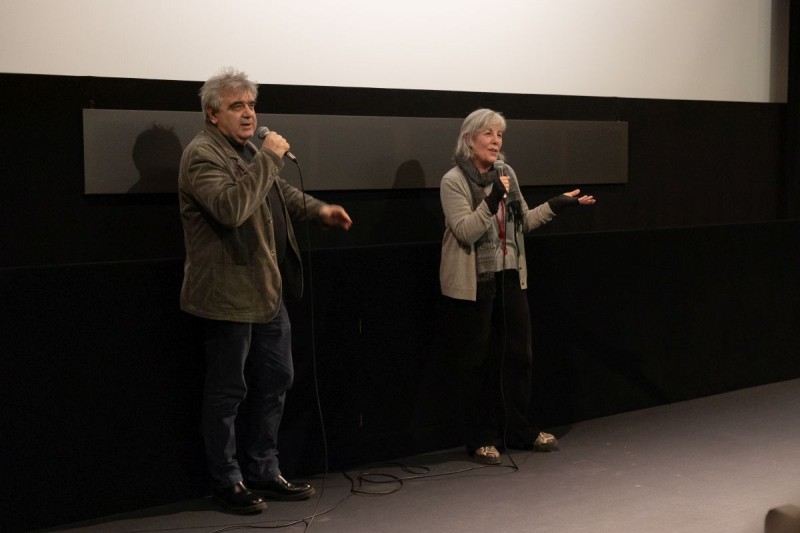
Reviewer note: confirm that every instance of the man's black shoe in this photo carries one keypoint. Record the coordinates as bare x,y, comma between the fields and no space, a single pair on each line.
239,499
280,489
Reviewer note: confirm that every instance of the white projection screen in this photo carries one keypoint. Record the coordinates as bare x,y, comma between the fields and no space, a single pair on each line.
726,50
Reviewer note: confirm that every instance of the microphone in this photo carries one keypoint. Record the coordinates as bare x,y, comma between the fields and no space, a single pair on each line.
262,132
500,167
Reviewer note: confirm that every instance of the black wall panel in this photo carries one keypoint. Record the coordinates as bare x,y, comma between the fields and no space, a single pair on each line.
690,163
102,374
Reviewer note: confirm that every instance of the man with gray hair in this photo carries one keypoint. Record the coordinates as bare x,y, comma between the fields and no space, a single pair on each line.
242,261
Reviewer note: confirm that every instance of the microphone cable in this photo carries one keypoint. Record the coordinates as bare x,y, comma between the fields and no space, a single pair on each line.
364,478
504,344
309,519
416,472
358,482
502,234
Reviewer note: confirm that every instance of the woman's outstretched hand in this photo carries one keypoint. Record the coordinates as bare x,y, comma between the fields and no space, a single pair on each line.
583,200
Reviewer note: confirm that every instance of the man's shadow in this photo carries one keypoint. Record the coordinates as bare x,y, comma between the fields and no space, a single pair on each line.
157,156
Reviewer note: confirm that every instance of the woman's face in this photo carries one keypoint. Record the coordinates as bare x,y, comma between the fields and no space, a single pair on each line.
485,147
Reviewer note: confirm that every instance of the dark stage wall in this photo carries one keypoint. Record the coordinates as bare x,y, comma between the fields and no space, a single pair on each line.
690,163
679,284
103,378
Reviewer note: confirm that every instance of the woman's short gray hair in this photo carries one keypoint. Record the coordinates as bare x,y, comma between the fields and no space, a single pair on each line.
477,121
228,81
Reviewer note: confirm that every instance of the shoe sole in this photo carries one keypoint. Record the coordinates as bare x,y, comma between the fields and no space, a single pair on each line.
253,509
285,497
490,462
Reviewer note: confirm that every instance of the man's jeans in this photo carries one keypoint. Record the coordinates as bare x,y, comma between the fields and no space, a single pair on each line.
249,370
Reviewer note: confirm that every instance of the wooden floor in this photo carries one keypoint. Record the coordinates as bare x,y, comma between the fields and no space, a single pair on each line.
715,464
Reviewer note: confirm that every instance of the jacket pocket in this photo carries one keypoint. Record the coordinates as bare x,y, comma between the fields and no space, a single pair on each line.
234,287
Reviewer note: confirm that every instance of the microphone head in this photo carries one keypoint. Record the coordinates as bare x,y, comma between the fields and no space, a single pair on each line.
262,132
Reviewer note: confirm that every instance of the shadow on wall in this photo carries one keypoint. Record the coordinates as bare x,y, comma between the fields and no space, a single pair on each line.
409,211
157,157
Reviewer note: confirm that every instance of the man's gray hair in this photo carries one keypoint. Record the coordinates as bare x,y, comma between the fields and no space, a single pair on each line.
477,121
228,81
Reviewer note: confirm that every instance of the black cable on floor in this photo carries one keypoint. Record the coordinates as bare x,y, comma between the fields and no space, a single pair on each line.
423,472
358,482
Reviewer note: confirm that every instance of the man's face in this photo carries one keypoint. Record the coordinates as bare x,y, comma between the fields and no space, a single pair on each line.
236,117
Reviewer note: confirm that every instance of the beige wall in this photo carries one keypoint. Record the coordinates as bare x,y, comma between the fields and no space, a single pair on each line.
731,50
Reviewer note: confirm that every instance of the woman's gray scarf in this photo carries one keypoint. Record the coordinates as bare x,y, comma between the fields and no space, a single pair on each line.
484,249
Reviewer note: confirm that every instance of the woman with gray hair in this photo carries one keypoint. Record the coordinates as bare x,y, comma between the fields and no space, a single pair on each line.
483,275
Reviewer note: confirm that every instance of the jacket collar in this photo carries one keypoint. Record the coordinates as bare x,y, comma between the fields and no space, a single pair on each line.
224,144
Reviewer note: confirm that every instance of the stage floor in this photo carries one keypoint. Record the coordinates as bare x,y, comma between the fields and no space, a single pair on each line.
714,464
